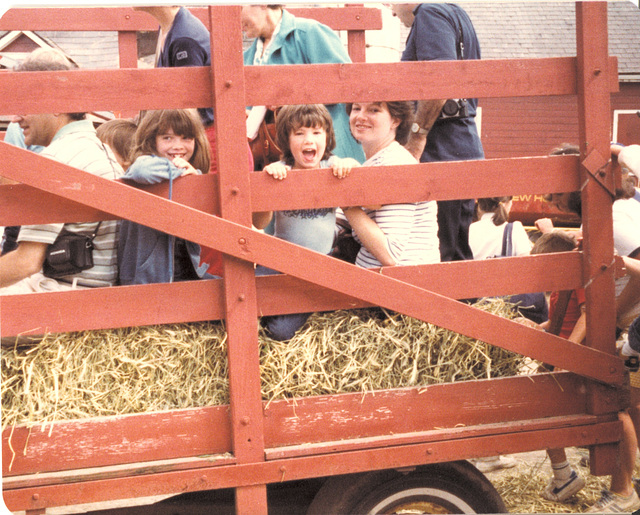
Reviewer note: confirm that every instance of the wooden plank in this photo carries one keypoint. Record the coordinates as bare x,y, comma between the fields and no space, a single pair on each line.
81,90
292,451
594,108
24,205
21,204
268,85
115,471
116,440
348,17
67,311
147,437
331,419
126,19
239,285
76,18
128,49
453,434
515,438
427,181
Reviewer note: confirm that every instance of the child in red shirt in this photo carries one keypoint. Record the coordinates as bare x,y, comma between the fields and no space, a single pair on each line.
565,482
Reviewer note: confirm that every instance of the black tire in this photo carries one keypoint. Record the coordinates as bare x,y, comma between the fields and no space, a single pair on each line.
456,487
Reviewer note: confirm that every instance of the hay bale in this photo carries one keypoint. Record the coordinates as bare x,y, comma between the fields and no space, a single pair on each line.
367,350
144,369
113,372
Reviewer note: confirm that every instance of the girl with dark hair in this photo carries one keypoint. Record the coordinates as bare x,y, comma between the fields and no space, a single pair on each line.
305,135
168,144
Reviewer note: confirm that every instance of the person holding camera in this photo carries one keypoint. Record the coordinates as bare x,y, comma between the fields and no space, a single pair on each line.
68,138
445,129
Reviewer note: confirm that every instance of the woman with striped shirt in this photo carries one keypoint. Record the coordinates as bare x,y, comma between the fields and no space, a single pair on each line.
395,234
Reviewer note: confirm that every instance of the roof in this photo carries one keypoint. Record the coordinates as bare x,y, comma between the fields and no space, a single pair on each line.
90,50
509,30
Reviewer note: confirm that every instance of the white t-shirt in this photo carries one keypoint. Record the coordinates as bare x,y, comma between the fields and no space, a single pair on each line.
411,229
626,226
485,238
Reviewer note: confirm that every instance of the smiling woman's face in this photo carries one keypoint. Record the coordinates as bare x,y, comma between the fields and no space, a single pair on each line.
371,123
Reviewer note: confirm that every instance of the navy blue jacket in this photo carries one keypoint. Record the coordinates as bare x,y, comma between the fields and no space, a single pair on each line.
433,37
187,44
146,255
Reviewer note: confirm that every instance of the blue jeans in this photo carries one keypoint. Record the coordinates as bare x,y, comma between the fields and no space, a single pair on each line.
281,327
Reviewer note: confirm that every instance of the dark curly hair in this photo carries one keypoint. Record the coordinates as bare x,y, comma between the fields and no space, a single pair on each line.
289,118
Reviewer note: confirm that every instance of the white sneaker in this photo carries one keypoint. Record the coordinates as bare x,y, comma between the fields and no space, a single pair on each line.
561,491
627,351
614,503
491,463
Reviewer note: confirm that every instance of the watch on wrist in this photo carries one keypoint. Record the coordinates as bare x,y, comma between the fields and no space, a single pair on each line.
415,128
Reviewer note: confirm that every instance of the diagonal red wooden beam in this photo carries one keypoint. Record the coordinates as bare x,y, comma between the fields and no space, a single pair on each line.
376,288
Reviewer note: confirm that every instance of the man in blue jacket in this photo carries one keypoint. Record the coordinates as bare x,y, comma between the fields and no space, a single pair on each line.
445,130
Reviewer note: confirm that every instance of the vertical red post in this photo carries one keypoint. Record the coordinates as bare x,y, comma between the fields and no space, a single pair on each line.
240,290
128,49
357,44
595,134
128,58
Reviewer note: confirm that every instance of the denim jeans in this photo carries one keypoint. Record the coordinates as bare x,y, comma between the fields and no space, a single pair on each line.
281,327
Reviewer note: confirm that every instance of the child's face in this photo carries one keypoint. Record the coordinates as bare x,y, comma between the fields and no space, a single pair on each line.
170,145
307,146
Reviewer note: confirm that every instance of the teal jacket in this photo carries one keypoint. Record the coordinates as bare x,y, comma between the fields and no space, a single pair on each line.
304,41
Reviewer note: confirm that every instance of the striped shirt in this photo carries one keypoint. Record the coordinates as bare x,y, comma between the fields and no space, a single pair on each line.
411,229
77,145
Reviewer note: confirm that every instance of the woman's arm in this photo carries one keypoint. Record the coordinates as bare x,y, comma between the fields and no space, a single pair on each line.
369,234
521,243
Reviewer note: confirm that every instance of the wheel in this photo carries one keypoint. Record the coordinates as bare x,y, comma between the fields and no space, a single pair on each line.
456,487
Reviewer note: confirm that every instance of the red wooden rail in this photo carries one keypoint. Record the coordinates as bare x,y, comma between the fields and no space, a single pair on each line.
353,19
264,441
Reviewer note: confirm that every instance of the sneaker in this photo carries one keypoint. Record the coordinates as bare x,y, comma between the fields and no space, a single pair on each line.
560,492
614,503
491,463
627,350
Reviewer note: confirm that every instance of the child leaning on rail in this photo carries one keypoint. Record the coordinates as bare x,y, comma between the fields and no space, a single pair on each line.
305,135
119,135
168,144
566,481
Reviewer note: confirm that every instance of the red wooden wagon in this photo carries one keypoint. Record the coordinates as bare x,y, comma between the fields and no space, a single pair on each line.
357,444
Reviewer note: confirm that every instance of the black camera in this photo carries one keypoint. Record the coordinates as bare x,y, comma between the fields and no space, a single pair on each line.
454,108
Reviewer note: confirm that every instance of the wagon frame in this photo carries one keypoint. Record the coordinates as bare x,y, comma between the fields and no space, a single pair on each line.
249,444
